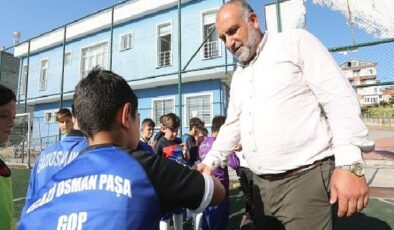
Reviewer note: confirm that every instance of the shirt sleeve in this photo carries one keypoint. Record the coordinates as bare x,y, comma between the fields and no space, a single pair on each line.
176,185
229,135
339,100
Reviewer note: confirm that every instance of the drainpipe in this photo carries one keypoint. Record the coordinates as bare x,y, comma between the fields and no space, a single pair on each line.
180,67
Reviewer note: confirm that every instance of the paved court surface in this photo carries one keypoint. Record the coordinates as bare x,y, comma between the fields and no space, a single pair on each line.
380,163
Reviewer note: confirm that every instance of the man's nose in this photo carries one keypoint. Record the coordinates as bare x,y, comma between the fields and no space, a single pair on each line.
230,42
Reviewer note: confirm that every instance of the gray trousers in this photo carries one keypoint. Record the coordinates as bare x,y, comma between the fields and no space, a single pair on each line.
299,202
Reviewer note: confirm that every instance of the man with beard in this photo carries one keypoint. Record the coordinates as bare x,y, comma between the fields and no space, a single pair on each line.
303,163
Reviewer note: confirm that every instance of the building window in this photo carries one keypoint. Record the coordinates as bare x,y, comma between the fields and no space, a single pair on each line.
67,59
49,116
125,41
162,107
211,46
164,45
92,56
199,106
43,75
22,85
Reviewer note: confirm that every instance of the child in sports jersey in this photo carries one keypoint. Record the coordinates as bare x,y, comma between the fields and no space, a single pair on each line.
215,217
56,156
112,185
159,134
147,127
7,115
169,146
194,124
64,120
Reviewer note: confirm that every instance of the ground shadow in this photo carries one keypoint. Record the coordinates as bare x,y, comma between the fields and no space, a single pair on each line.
385,153
360,221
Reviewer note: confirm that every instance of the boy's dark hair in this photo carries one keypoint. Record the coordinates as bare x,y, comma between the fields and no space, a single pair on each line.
202,129
217,122
161,119
195,122
171,121
62,114
149,122
98,98
6,95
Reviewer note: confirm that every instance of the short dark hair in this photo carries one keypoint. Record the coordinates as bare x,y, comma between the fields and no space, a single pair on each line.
202,129
171,120
97,99
62,114
149,122
195,122
6,95
217,122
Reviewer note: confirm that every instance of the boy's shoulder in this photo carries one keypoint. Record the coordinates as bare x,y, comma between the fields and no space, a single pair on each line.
208,140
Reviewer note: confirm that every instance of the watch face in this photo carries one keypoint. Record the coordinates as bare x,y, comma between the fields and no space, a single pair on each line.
358,169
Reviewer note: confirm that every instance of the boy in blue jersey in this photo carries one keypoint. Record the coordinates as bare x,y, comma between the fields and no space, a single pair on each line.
56,156
64,119
147,128
111,185
169,146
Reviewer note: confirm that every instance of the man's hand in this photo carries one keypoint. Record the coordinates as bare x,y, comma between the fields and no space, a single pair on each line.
350,191
203,168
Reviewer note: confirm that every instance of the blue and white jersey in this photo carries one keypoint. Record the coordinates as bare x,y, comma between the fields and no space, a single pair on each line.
54,158
108,188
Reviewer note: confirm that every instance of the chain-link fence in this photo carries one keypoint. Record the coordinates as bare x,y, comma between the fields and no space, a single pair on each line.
22,149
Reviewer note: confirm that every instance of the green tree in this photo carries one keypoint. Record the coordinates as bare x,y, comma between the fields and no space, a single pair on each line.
391,100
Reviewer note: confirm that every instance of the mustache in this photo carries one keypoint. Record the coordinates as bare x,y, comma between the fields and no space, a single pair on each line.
235,47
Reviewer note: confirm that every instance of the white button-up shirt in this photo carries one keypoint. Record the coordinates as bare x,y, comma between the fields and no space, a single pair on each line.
274,108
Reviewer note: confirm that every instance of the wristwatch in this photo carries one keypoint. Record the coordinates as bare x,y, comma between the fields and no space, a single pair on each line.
357,168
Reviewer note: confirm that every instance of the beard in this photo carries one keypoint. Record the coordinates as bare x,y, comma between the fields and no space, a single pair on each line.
245,52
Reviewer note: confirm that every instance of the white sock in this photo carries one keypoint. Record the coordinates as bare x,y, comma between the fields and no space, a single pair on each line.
164,224
178,221
198,221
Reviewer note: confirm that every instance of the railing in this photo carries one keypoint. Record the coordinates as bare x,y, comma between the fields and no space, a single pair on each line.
165,58
211,49
43,85
382,122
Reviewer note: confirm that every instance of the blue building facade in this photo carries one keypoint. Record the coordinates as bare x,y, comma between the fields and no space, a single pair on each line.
143,49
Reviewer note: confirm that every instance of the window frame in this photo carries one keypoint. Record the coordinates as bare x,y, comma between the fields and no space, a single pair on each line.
158,49
23,80
153,112
65,58
90,46
121,36
40,81
53,116
219,43
185,113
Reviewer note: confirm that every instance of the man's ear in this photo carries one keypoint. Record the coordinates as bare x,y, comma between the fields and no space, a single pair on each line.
124,115
254,20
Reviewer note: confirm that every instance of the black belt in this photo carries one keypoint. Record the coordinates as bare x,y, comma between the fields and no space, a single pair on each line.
295,172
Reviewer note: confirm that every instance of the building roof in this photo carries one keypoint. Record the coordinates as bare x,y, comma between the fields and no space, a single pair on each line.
360,63
97,21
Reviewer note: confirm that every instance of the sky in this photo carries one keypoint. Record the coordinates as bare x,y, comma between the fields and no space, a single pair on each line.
34,17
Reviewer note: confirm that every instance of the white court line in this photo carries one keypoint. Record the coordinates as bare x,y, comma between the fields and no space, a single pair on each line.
18,199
